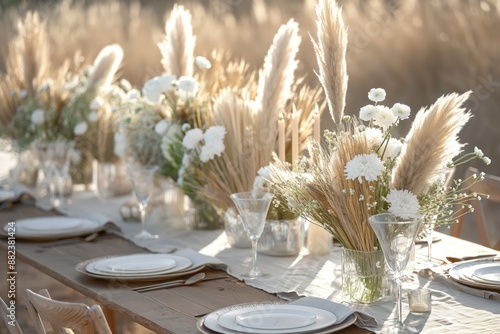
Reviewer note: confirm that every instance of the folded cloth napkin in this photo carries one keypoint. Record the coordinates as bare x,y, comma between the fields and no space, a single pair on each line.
22,191
105,222
341,311
444,279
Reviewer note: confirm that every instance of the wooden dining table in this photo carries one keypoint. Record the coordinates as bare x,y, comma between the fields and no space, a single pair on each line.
174,310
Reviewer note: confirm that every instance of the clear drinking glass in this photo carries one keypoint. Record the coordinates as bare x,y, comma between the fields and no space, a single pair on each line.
60,154
42,153
141,178
253,207
396,237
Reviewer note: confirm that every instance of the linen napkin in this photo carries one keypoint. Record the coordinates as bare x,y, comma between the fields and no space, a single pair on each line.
444,279
340,310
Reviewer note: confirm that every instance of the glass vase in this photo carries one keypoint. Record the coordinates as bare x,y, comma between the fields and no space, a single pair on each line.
282,237
203,215
110,179
364,278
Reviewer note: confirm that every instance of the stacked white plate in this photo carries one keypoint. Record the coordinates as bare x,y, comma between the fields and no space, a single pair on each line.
53,227
481,273
271,318
6,195
138,267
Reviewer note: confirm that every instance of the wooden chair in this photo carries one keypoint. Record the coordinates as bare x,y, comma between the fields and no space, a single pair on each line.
489,186
65,317
12,326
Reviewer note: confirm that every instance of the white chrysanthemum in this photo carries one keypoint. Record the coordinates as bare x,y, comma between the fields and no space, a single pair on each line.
38,116
374,137
260,184
403,203
393,148
120,144
376,94
368,166
161,127
93,116
96,103
401,110
203,62
265,172
188,87
208,152
154,88
192,138
215,134
23,93
369,112
80,128
385,118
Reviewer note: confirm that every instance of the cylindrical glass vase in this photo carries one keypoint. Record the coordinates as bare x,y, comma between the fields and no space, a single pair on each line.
364,278
110,179
235,232
283,237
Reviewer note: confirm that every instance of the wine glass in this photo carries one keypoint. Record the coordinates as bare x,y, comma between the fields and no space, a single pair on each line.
396,237
253,207
141,178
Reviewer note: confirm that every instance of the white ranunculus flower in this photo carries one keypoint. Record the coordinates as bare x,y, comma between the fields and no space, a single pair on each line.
393,148
403,203
38,116
154,88
188,87
368,166
385,118
203,62
192,138
376,94
23,93
401,110
374,137
80,128
161,127
93,116
369,112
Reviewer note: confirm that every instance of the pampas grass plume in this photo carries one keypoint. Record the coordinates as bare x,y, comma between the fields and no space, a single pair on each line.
105,66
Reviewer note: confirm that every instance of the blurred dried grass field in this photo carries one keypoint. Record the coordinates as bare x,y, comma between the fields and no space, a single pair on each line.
415,50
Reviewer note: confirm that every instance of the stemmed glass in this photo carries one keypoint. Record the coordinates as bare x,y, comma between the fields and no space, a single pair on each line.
253,207
396,237
141,178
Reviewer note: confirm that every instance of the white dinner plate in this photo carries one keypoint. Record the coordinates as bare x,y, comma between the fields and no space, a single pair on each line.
181,263
209,324
490,273
272,318
6,195
54,227
225,320
463,272
82,268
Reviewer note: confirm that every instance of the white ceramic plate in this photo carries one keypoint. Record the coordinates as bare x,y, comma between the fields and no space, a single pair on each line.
7,195
54,227
462,272
272,318
224,320
490,273
82,268
215,328
181,263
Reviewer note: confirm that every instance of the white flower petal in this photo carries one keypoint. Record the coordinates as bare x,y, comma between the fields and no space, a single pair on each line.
161,127
401,110
38,116
154,88
376,94
203,62
80,128
403,203
367,166
192,138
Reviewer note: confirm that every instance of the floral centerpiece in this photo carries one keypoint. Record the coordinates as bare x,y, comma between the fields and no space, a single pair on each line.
363,170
